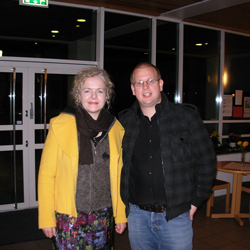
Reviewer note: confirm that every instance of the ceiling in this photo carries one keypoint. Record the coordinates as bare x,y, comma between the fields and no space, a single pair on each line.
226,14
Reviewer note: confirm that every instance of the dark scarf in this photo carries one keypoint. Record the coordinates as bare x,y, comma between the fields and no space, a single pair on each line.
88,128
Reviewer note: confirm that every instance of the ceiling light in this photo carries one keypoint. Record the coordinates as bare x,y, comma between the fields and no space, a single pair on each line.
205,43
54,31
35,43
53,36
77,26
173,48
81,20
198,44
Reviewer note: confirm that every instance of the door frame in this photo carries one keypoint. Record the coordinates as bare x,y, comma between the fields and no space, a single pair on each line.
29,67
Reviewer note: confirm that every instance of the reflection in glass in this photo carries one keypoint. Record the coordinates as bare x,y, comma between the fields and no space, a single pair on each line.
237,65
58,88
201,70
7,191
166,57
6,99
127,41
31,36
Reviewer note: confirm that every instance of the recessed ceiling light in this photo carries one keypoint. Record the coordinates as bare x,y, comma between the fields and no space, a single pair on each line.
198,44
55,31
77,26
53,36
205,43
81,20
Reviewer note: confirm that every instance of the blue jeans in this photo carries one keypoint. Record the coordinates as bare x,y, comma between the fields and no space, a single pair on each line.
151,231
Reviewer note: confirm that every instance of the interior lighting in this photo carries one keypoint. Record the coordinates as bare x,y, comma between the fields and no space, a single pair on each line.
233,95
173,48
77,26
53,36
198,44
205,43
218,99
81,20
54,31
35,43
1,53
225,78
177,99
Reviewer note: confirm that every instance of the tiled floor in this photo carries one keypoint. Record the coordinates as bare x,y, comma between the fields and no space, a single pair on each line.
220,234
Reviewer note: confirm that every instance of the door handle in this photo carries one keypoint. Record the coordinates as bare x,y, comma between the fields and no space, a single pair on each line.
31,111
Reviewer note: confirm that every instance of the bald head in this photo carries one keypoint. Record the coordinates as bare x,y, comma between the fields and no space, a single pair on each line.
144,65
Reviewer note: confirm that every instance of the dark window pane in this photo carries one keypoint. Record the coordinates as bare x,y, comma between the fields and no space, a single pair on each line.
29,33
236,128
166,57
6,99
39,135
211,128
7,137
127,42
201,70
57,97
7,190
237,73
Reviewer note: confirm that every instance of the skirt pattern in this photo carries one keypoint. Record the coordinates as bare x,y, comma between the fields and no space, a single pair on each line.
88,231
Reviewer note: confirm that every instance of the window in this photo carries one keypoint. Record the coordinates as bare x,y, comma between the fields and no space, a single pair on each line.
31,35
201,70
237,73
127,43
166,56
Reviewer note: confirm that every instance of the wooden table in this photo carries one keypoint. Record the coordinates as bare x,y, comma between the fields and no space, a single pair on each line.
235,168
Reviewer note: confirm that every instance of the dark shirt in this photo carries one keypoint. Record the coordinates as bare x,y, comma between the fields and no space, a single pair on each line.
146,173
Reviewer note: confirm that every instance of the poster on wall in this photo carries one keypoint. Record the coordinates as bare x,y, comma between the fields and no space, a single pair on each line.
238,97
237,112
246,107
227,105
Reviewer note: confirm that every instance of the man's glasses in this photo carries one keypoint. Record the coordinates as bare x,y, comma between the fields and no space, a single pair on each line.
149,82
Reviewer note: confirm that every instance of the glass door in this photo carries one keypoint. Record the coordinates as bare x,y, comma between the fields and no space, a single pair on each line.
12,144
50,95
30,96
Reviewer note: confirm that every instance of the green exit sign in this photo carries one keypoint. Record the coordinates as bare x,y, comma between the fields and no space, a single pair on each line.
36,3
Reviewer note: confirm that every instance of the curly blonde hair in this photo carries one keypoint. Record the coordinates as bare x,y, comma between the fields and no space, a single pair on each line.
80,79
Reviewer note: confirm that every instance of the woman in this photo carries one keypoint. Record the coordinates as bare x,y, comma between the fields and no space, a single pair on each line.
79,175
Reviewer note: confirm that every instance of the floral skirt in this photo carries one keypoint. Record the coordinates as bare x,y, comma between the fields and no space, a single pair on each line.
86,232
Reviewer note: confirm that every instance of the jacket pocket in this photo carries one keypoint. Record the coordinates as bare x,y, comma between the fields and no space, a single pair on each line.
181,146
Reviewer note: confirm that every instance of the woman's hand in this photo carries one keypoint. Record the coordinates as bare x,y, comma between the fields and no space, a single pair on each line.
120,227
49,231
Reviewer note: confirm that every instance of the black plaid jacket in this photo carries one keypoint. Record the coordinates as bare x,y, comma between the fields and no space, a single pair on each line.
187,155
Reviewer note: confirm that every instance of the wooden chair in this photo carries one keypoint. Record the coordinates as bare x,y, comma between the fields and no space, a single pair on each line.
246,188
218,184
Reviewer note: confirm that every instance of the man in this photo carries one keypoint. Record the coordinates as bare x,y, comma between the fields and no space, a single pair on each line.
169,165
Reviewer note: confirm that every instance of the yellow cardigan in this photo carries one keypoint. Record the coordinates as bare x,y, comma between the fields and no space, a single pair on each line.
57,179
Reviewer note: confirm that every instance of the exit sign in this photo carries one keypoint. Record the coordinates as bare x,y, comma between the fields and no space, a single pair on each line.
35,3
